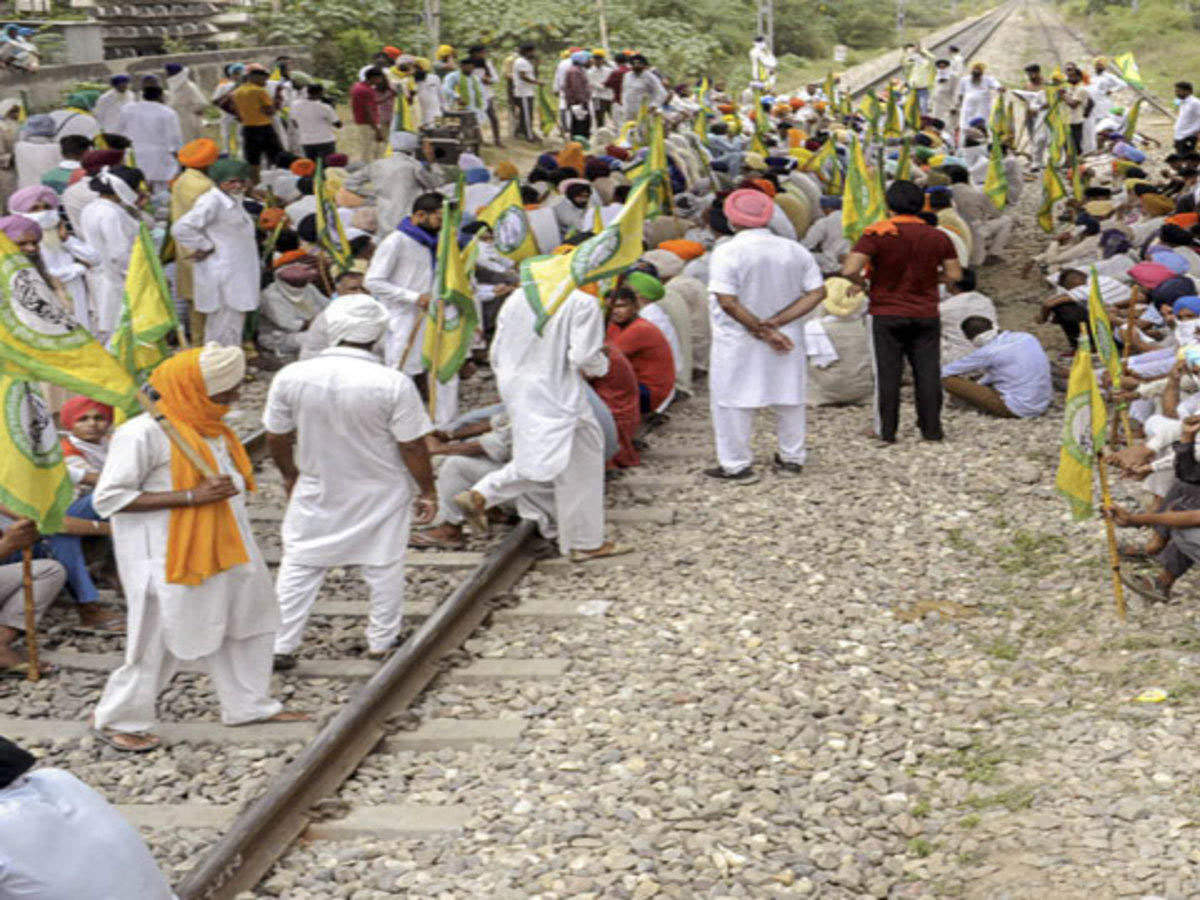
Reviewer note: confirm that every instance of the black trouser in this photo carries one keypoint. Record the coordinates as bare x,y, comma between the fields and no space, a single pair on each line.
317,152
919,340
1071,317
1187,145
1077,136
492,117
259,141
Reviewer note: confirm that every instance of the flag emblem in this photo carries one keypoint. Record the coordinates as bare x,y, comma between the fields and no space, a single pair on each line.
35,313
595,252
1077,429
511,229
30,426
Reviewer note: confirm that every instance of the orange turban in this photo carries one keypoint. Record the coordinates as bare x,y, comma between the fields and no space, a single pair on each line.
290,256
1184,220
796,103
199,154
270,218
77,406
305,168
571,155
685,250
725,108
505,170
763,185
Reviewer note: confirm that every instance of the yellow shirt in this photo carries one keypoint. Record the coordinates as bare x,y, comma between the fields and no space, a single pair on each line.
253,104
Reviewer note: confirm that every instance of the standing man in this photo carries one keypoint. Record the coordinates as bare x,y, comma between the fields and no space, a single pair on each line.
486,73
602,95
192,184
919,73
219,234
639,86
187,100
255,108
366,133
945,93
525,84
195,582
1187,122
153,127
108,106
348,436
577,93
975,97
1077,99
764,285
1033,95
908,258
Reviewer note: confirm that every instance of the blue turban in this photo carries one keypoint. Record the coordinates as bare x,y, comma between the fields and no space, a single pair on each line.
40,126
1171,260
580,57
119,79
1190,303
476,176
173,68
828,202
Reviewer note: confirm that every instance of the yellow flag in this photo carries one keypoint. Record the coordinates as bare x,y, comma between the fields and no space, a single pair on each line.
33,480
891,115
41,341
862,199
452,317
995,183
1101,328
505,215
548,280
1085,429
1052,192
1127,67
147,314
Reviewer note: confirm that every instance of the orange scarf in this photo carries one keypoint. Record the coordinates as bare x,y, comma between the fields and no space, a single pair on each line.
888,226
201,540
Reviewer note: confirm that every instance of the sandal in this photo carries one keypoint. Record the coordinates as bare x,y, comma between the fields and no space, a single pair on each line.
423,540
282,716
21,670
605,550
111,623
113,738
1146,588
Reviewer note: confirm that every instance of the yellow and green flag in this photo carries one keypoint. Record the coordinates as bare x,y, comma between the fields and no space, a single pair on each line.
654,168
506,216
862,201
1085,430
33,480
1131,120
547,110
904,162
1052,192
1127,68
870,109
912,111
41,341
995,183
1101,328
331,236
548,280
452,317
147,313
891,115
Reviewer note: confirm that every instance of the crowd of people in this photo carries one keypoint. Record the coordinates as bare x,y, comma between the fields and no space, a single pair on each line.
301,247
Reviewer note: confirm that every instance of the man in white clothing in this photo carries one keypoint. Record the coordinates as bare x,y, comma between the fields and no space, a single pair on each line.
975,94
639,86
762,287
187,100
961,302
154,129
219,234
556,475
394,181
108,106
1187,120
825,239
109,225
347,433
209,605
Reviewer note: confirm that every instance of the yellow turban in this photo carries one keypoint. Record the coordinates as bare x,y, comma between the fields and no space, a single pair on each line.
444,51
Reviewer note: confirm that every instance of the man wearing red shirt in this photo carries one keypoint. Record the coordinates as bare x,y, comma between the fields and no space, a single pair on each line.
646,348
619,391
907,259
617,77
367,134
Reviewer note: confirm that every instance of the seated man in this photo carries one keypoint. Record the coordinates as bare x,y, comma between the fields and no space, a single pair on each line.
962,302
650,292
1177,543
840,368
48,579
1068,308
645,347
1013,361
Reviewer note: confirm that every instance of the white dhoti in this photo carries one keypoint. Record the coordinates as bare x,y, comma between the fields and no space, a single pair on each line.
458,474
991,237
733,427
572,505
297,585
240,670
225,327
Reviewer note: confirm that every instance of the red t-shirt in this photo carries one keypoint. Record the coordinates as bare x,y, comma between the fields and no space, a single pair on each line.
904,269
364,104
649,354
619,391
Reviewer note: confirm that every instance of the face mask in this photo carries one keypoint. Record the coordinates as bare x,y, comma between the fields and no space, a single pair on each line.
428,230
237,196
1185,331
980,339
47,218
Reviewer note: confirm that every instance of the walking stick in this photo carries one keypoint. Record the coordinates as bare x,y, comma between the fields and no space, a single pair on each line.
34,672
1113,555
1123,409
172,433
412,339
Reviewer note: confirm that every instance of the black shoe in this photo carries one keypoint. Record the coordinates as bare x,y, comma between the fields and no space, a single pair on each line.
284,661
787,468
742,476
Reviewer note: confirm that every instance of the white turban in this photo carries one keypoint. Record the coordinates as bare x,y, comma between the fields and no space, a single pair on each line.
118,186
405,142
356,319
222,368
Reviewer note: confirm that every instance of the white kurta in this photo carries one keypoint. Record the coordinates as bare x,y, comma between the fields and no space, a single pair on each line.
352,501
395,182
228,277
766,273
541,378
107,109
70,121
400,272
189,102
976,97
60,839
110,231
196,619
154,129
33,159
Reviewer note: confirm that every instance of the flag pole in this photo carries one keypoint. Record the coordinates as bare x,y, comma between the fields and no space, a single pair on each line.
437,352
1123,407
412,339
34,672
1114,556
173,435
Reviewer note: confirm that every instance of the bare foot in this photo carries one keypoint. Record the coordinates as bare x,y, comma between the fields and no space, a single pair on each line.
99,617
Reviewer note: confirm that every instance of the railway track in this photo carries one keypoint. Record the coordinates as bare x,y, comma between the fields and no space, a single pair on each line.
359,706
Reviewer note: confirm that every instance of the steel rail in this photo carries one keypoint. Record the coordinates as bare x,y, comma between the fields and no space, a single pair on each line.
985,24
268,826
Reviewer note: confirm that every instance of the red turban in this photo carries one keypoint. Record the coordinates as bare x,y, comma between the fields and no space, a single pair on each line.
748,208
77,406
616,152
95,160
391,53
336,160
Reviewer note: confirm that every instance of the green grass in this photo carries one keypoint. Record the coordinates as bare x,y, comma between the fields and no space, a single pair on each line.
922,809
1002,650
1014,799
920,847
969,822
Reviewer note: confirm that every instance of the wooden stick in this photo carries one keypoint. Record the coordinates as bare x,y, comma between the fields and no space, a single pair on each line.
31,647
1130,327
412,339
181,336
1113,555
173,435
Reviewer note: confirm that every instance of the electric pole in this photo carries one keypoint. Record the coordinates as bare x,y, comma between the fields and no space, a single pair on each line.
766,22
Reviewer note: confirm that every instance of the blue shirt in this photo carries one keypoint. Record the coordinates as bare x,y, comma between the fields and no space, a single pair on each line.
1014,363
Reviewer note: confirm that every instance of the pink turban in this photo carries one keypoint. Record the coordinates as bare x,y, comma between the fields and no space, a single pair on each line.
26,198
748,208
20,228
